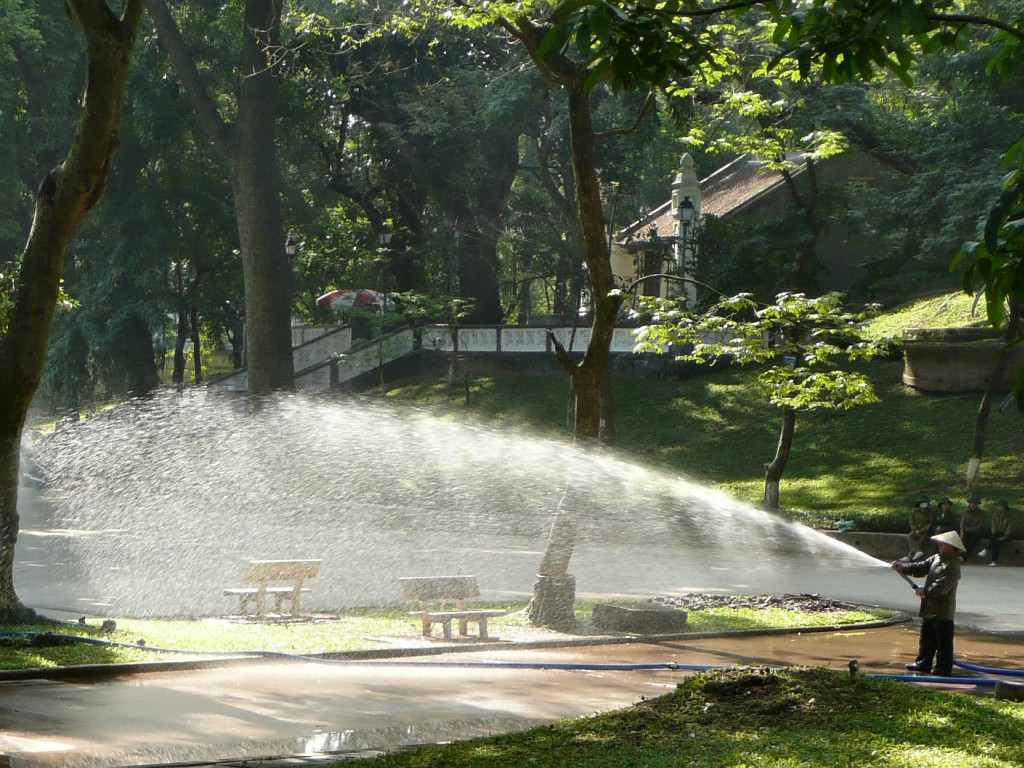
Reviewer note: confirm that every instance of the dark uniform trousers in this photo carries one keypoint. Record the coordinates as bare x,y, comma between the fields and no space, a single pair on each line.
936,644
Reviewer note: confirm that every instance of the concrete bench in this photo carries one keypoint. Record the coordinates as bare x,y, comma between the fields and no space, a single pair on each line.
435,594
284,580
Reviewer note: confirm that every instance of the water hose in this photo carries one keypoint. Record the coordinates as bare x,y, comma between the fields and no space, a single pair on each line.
539,665
913,584
990,670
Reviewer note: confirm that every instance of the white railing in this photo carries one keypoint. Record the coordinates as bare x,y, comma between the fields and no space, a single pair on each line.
518,339
373,354
328,358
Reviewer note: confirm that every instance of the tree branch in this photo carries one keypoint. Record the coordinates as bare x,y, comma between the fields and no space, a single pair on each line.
563,356
633,128
981,21
185,66
632,286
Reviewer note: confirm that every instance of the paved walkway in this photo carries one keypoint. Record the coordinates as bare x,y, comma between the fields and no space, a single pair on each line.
286,709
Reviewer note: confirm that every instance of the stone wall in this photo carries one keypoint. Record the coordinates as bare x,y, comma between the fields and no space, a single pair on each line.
963,361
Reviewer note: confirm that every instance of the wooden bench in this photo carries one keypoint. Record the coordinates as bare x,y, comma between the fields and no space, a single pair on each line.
435,593
268,578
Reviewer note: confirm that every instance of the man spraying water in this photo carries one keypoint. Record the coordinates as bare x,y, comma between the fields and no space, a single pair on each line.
938,603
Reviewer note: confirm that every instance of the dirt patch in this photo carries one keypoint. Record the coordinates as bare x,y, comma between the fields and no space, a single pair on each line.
804,603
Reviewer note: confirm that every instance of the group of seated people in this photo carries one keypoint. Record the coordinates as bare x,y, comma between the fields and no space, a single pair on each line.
974,527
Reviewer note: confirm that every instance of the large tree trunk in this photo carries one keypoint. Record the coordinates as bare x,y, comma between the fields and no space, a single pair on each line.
479,263
554,591
65,195
256,185
984,410
606,304
249,150
774,469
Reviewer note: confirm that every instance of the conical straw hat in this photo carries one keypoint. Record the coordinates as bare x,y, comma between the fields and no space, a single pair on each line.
952,538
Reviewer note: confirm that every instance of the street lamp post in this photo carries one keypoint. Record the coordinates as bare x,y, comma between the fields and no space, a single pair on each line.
686,216
384,238
686,209
291,246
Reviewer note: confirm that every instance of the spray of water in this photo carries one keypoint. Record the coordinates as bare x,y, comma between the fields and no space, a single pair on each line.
153,508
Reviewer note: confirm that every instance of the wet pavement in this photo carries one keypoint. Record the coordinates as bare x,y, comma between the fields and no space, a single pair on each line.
319,710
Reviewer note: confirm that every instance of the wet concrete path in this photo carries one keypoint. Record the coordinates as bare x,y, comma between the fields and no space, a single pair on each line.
298,708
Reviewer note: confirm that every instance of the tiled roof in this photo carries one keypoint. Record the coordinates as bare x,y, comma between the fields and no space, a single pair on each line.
727,190
737,184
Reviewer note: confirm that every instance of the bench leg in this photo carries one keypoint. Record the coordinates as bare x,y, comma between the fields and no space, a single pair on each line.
482,621
464,627
446,625
243,604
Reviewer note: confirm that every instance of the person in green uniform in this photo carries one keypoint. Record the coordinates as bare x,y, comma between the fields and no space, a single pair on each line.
1002,531
922,526
972,526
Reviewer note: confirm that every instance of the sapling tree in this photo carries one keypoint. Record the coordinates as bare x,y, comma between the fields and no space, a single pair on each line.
994,265
419,309
801,348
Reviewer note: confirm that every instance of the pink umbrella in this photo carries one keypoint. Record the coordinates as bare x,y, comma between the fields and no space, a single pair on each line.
346,298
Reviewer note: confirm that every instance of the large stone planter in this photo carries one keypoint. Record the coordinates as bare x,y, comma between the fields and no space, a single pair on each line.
957,360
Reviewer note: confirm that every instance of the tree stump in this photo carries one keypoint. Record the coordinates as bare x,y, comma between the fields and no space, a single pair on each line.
553,604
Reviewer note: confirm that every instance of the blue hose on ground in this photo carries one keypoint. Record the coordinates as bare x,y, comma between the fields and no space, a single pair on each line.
569,666
990,670
936,679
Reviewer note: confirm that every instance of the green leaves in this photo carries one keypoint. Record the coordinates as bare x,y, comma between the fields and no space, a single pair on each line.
805,389
995,263
628,45
799,339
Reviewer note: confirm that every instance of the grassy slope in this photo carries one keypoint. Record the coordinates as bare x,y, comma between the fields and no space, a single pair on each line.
864,464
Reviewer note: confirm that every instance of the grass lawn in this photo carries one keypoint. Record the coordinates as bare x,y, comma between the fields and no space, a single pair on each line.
355,630
789,718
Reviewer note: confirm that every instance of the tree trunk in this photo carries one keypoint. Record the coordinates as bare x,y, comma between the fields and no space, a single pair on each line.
558,588
806,266
181,336
774,469
193,327
250,152
607,412
985,409
256,187
479,263
65,195
592,368
181,330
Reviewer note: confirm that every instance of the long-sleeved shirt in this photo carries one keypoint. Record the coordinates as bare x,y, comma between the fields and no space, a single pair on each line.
1002,520
942,574
973,521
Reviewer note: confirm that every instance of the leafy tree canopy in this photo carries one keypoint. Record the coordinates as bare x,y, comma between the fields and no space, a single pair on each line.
799,341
